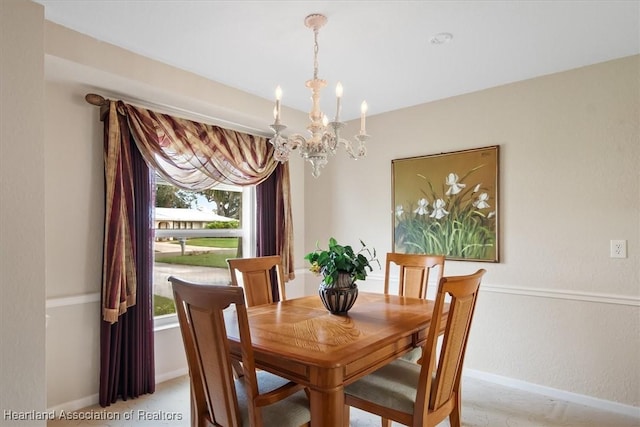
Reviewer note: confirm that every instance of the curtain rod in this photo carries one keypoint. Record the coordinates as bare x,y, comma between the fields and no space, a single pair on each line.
100,101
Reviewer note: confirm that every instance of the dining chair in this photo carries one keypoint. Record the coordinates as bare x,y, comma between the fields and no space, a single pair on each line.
257,278
414,272
217,399
424,395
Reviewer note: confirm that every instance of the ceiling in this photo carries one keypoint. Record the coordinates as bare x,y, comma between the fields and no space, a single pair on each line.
379,50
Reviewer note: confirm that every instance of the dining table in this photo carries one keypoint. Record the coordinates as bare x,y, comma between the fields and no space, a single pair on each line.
299,339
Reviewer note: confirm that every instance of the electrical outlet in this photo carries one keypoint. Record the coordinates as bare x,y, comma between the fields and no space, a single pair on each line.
618,249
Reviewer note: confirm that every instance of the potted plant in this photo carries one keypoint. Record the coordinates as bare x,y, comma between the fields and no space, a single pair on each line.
340,267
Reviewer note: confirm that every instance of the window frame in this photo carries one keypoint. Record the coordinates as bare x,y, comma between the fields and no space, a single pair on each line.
247,232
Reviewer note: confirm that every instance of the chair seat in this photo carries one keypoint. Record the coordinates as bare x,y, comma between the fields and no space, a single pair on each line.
413,355
290,412
392,386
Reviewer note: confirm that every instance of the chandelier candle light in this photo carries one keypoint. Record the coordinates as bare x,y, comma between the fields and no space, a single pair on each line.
324,135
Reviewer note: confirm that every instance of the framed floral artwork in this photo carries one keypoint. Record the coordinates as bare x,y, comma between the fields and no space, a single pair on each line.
447,204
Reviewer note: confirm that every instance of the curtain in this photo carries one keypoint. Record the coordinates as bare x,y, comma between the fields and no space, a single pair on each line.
266,217
119,269
127,367
274,221
266,226
193,156
284,221
196,156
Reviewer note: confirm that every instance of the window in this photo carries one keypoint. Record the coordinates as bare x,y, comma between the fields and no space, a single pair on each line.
195,233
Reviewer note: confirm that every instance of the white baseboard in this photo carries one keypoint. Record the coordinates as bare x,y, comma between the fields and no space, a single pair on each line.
171,375
605,405
75,405
84,402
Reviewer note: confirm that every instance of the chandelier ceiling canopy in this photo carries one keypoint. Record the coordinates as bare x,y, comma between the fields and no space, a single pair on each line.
324,135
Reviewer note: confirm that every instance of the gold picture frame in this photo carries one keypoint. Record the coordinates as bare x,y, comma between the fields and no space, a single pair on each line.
447,204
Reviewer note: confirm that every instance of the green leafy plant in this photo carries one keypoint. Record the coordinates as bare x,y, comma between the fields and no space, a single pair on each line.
341,259
458,222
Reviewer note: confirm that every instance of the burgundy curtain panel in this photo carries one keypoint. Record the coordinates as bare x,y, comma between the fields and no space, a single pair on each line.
127,367
273,234
266,225
266,217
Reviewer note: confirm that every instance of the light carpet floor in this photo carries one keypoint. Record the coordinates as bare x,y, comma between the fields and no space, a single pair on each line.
483,405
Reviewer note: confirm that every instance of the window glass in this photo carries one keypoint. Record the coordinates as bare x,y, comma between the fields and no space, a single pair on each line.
195,233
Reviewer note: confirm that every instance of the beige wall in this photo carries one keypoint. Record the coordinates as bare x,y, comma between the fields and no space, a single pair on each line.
556,311
74,229
22,224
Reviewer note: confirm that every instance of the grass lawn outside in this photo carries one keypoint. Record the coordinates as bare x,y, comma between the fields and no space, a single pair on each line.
218,259
210,259
211,242
163,305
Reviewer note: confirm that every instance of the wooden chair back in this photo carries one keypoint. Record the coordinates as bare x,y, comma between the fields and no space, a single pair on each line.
439,394
200,314
414,273
257,278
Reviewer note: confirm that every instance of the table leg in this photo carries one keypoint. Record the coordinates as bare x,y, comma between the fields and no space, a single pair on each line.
327,407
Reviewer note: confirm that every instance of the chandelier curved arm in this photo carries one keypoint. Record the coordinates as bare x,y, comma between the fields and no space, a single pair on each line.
330,141
357,152
296,140
284,145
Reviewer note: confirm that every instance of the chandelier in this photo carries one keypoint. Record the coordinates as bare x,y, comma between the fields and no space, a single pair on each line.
324,136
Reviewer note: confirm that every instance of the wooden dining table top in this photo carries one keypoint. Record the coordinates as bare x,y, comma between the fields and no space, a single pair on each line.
302,341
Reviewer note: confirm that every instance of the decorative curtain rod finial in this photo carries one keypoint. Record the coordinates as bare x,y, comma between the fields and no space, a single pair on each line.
95,99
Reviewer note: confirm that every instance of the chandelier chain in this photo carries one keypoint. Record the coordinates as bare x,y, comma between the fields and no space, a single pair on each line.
316,49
